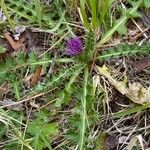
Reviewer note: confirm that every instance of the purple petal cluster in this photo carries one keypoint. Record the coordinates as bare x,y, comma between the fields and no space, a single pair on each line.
74,46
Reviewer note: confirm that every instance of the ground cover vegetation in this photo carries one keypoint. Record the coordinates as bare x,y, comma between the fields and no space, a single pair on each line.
74,74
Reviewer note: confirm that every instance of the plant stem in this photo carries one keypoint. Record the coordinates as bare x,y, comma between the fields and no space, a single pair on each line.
83,125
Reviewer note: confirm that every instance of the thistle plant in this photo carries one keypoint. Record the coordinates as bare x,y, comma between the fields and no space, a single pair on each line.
82,54
74,47
70,82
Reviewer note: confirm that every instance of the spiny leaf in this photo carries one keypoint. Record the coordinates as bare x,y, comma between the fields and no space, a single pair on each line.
65,96
125,50
17,89
42,133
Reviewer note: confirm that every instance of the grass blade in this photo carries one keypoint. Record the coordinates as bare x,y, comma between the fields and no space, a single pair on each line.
108,35
94,14
83,15
104,12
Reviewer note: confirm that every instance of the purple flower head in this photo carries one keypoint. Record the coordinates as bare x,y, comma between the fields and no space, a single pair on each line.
74,46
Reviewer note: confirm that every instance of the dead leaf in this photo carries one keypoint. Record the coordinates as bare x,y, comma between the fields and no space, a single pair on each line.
16,45
35,78
34,105
111,142
145,17
4,89
13,106
106,142
18,31
136,140
3,18
135,92
138,94
27,79
122,139
142,64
